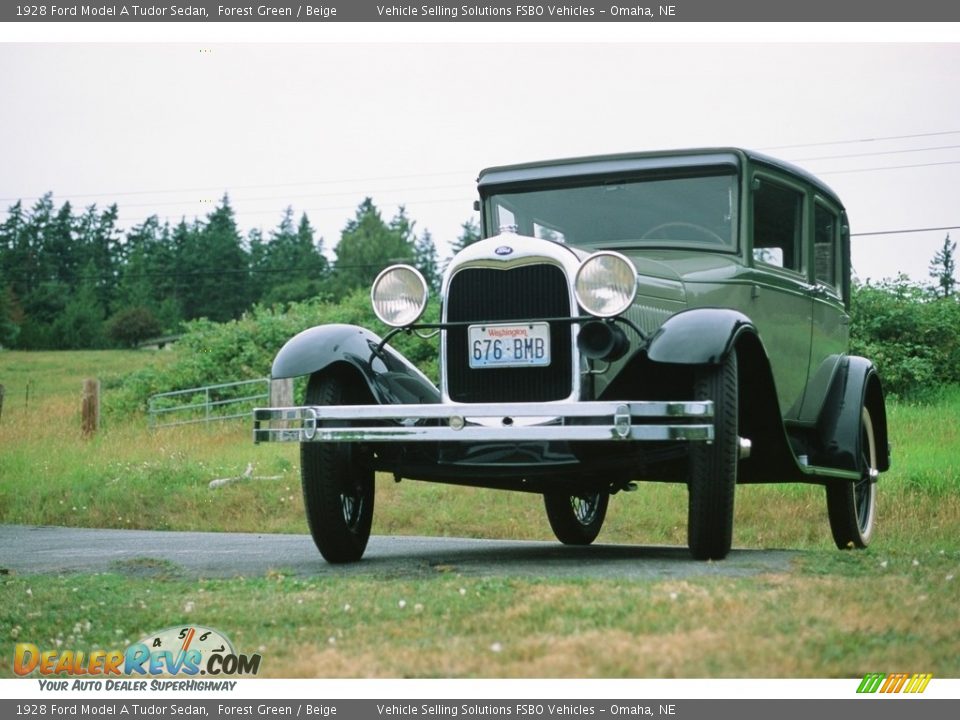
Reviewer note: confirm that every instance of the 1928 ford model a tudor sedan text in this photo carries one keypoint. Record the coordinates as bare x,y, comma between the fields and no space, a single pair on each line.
668,316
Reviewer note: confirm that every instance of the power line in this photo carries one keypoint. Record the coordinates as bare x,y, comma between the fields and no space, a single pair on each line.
880,152
888,167
225,188
902,232
367,193
860,140
450,200
133,221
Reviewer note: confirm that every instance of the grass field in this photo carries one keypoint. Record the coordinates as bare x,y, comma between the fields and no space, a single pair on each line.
837,614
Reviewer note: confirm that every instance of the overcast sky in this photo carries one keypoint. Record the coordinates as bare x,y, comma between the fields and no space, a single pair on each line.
166,129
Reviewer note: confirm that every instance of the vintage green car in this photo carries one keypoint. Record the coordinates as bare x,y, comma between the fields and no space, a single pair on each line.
663,316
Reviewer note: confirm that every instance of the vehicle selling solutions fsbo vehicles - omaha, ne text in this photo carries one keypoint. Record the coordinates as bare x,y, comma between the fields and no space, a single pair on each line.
665,316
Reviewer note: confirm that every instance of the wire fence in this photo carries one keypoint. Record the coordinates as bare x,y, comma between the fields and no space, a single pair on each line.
212,403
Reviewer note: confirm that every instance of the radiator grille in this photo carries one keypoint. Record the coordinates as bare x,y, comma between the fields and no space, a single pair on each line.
523,293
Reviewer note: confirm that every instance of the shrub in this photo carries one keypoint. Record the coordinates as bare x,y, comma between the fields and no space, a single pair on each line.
130,327
210,353
911,335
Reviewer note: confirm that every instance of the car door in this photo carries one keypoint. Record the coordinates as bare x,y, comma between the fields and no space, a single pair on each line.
831,323
780,299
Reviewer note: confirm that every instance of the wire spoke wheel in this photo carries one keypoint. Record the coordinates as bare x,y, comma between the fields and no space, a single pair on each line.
576,519
852,505
337,479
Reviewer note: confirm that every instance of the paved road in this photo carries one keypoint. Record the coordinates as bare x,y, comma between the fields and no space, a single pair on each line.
41,549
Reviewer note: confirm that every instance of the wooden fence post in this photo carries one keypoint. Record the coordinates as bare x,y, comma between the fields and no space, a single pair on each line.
2,392
281,392
90,407
281,395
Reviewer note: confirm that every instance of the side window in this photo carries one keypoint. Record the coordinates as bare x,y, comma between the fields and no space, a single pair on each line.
777,224
826,230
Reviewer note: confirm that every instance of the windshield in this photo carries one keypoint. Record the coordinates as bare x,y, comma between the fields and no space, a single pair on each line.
658,212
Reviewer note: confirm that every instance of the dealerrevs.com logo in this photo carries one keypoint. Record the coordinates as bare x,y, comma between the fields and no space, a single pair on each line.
189,651
894,683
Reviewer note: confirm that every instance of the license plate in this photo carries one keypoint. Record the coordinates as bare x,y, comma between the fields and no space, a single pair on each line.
520,345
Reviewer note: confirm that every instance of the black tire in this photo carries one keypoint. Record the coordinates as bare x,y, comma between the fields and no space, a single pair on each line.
576,519
337,480
713,466
852,506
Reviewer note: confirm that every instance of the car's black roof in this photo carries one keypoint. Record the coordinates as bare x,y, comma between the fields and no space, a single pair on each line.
600,165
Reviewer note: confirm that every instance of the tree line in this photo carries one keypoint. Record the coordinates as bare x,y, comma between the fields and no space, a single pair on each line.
911,330
73,280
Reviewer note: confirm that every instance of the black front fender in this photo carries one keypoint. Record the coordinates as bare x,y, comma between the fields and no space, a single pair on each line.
392,378
701,336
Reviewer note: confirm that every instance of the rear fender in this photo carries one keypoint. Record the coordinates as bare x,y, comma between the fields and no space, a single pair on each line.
392,378
855,384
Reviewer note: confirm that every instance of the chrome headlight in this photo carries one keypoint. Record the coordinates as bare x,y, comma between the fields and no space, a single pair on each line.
606,284
399,295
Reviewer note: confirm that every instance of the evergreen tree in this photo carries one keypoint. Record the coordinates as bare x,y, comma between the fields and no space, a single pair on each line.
187,254
216,264
162,264
148,279
943,269
402,226
316,261
42,296
311,271
257,250
138,276
368,245
291,266
60,250
469,234
10,316
426,261
80,325
36,269
14,255
103,251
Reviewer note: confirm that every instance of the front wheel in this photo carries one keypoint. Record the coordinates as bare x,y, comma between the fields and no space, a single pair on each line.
713,466
337,479
576,519
852,506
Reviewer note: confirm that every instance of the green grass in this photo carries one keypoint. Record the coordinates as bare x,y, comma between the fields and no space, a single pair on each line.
31,377
835,614
926,443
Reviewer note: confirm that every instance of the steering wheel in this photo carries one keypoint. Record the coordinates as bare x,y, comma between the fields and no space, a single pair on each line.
686,226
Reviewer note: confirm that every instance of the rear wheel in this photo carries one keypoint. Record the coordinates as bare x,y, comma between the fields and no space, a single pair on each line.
337,479
576,519
852,506
713,466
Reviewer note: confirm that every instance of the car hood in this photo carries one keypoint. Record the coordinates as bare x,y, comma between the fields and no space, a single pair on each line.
666,273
